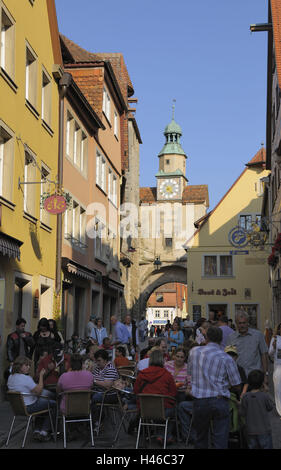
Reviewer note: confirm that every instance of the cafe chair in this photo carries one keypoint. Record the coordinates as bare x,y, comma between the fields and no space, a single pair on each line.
152,414
19,409
77,409
125,412
106,406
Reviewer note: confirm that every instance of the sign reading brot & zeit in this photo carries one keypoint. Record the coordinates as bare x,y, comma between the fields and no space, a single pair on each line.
223,292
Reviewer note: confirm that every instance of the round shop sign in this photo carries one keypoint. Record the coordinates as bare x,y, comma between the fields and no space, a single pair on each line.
55,204
238,237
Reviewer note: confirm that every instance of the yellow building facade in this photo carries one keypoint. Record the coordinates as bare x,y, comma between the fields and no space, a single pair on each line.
227,266
30,59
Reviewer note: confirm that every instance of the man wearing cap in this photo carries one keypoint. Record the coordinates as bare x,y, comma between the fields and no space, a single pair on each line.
251,346
232,351
54,364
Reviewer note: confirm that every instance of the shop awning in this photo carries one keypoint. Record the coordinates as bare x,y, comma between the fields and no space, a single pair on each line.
10,246
77,270
111,284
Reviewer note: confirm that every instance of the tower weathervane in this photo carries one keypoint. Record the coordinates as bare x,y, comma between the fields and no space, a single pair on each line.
173,107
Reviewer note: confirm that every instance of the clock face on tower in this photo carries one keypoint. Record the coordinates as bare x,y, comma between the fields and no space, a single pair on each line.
169,188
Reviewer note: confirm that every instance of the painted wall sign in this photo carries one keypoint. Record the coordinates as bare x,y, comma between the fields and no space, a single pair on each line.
223,292
55,204
239,252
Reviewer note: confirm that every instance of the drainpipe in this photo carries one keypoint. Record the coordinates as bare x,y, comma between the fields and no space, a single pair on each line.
64,84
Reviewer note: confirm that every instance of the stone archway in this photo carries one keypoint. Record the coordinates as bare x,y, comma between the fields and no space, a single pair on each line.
152,279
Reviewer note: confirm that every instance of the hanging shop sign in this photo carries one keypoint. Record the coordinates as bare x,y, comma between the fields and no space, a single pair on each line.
55,204
238,237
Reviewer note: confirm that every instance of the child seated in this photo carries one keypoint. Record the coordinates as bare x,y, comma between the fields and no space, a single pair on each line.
120,357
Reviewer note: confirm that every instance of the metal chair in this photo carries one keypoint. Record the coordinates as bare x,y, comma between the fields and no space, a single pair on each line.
152,413
77,408
103,405
19,409
189,429
129,369
129,380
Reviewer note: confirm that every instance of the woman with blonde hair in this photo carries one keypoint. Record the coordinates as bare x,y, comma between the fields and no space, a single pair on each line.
21,381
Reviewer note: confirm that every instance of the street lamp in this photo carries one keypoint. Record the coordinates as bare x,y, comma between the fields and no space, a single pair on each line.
157,263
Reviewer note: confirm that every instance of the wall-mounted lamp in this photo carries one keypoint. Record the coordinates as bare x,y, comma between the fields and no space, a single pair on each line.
157,263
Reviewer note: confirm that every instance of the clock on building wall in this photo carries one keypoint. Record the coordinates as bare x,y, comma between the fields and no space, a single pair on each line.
169,188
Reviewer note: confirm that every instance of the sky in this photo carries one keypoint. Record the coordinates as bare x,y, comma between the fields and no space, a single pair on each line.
199,53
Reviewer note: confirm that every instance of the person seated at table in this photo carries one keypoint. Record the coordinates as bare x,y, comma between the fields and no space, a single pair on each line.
162,343
107,346
120,357
21,381
87,363
144,363
55,364
74,379
178,369
157,380
104,375
91,349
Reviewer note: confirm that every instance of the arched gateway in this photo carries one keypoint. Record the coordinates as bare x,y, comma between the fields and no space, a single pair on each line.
168,212
151,279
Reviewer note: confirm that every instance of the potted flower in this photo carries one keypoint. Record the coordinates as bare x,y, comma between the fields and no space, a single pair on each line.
272,259
277,243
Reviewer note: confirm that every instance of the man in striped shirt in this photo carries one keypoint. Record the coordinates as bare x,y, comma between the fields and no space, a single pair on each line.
212,372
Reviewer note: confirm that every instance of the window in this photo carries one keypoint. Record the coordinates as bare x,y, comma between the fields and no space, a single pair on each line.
75,225
29,195
246,221
166,313
218,266
167,162
109,184
46,98
82,228
99,235
116,133
44,215
114,190
112,186
157,313
100,171
7,51
6,162
31,77
168,242
106,104
76,144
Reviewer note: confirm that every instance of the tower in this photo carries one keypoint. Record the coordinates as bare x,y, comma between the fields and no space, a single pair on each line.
171,179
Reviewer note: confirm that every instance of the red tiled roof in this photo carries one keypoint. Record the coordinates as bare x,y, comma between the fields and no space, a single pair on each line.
76,54
259,159
148,194
198,194
276,21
